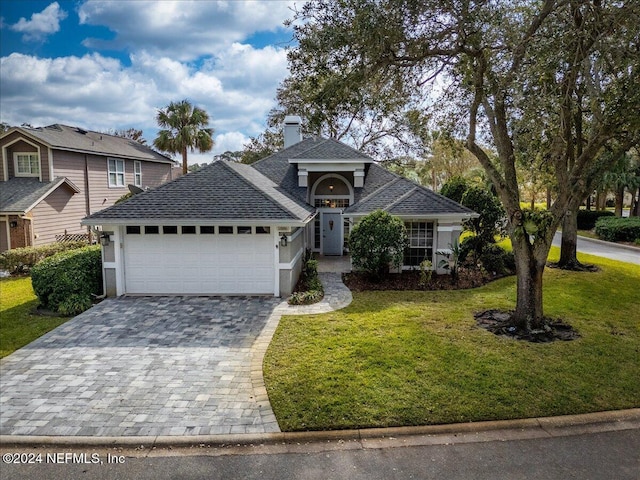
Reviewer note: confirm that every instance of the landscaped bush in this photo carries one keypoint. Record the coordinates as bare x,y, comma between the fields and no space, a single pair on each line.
310,288
377,241
496,260
68,281
618,229
587,218
21,260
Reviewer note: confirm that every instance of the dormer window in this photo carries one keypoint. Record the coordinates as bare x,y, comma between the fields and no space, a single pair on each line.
27,164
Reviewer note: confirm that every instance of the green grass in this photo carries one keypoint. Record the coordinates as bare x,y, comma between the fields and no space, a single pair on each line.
417,358
18,325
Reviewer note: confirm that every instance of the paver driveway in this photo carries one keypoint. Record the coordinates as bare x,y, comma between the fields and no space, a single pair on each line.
141,366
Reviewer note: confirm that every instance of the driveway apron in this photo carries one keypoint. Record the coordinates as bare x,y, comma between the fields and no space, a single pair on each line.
142,366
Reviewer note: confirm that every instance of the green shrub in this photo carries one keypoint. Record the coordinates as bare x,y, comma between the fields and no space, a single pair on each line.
587,218
22,260
310,286
455,188
496,260
377,241
75,304
426,272
618,229
123,198
68,280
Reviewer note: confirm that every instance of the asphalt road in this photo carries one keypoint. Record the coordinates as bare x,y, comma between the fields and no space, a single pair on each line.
594,456
603,249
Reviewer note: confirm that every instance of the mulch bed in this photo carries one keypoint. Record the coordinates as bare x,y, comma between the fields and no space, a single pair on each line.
500,323
471,278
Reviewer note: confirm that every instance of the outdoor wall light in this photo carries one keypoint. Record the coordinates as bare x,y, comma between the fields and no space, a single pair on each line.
105,239
283,241
13,224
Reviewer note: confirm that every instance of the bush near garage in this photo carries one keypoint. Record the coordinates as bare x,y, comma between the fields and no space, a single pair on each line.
310,289
587,218
618,229
22,260
68,282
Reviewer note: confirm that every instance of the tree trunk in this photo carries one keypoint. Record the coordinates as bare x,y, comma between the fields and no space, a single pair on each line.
548,198
635,210
601,199
568,248
529,269
619,201
184,162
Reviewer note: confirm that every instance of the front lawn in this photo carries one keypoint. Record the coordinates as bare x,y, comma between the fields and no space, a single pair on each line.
417,358
18,325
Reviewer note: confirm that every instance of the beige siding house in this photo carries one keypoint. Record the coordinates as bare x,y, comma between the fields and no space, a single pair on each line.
52,177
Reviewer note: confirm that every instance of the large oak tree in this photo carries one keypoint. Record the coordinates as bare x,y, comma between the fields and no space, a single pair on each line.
549,81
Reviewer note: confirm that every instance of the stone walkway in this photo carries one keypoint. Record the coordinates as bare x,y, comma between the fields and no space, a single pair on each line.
152,366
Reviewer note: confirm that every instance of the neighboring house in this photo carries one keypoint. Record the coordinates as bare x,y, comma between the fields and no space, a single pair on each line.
52,177
232,229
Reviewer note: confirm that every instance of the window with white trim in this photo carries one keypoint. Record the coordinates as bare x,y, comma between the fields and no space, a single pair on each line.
137,173
27,164
420,243
116,172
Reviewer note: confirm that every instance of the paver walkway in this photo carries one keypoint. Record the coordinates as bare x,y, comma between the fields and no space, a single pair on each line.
141,366
151,366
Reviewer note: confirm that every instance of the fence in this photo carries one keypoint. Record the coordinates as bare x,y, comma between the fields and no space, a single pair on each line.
90,238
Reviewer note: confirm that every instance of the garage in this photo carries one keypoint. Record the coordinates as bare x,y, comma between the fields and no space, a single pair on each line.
199,260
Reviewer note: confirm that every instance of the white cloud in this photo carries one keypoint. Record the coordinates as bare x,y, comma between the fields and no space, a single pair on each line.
41,24
91,91
229,142
183,30
178,50
101,93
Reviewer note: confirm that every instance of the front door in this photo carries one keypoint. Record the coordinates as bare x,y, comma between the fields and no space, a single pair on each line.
331,233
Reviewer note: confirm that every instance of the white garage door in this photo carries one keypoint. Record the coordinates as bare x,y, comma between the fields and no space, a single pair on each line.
199,260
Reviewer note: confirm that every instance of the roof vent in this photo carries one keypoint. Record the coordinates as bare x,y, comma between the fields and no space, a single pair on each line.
79,130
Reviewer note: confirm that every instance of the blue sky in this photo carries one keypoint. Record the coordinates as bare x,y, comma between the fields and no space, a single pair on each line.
107,65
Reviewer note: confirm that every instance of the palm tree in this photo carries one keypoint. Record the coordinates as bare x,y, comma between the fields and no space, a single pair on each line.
184,127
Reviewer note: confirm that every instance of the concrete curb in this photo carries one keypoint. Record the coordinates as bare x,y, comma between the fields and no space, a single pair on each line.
611,244
500,430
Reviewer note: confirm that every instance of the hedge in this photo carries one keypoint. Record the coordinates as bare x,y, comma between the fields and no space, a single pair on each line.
618,229
68,281
21,260
587,218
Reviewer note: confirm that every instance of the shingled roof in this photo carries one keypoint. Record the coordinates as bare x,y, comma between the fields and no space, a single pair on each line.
268,190
329,149
220,191
400,196
19,195
63,137
382,189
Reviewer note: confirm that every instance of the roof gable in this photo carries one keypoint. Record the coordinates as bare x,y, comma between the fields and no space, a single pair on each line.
329,149
400,196
19,195
220,191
